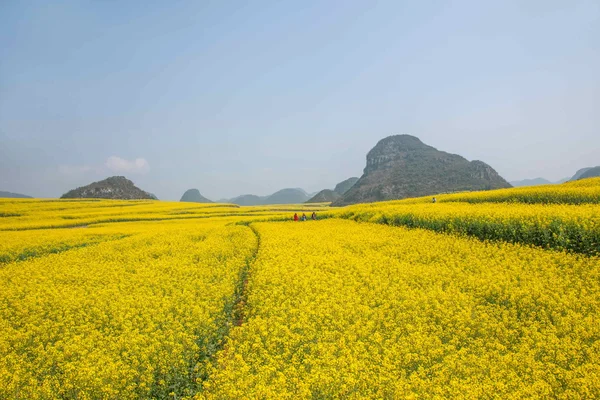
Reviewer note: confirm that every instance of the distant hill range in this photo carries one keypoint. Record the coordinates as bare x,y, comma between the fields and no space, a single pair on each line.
194,196
583,173
10,195
402,166
287,196
531,182
283,196
245,200
115,187
328,195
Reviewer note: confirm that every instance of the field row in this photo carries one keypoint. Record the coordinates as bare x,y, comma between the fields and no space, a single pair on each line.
46,214
585,191
574,228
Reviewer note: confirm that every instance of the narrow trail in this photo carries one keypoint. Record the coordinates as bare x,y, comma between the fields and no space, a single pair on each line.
234,314
241,295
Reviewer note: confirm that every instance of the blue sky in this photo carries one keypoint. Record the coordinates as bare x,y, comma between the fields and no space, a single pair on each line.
234,98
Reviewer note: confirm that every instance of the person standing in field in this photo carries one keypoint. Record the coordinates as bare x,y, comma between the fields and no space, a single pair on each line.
303,217
313,216
434,199
295,216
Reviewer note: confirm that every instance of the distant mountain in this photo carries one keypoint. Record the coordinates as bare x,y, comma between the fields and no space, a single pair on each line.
402,166
246,200
10,195
344,186
115,187
324,196
287,196
283,196
531,182
590,173
328,195
194,196
563,180
580,173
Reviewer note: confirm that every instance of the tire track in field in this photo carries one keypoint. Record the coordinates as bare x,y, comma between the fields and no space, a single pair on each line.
241,297
233,315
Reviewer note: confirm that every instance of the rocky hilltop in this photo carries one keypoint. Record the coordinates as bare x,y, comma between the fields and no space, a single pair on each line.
115,187
324,196
402,166
194,196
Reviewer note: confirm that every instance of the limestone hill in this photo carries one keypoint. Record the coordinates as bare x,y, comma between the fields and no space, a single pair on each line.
115,187
402,166
346,185
194,196
324,196
579,173
590,173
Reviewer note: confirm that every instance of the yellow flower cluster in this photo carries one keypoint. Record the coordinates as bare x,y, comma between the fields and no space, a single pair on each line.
44,214
338,309
132,317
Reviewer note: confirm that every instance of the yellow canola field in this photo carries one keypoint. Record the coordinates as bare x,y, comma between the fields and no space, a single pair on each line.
45,214
134,317
137,299
576,192
339,309
557,226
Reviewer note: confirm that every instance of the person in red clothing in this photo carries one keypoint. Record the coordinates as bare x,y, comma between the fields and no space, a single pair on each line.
296,217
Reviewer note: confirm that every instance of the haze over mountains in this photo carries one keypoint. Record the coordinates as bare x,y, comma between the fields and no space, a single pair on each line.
582,173
531,182
10,195
397,167
283,196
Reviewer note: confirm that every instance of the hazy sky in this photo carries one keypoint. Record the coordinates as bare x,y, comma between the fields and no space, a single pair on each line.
232,98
